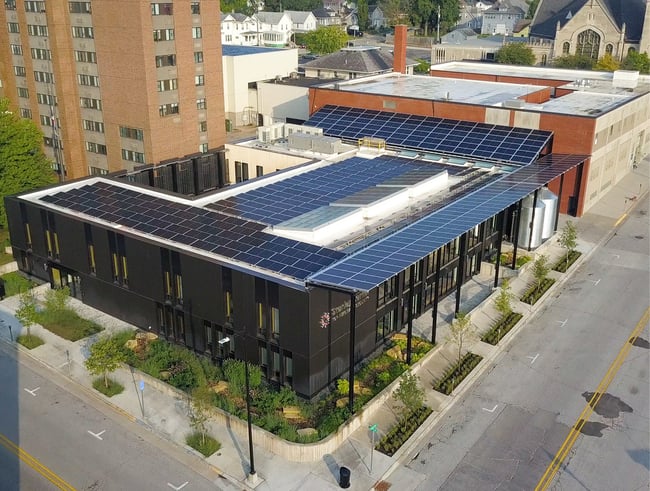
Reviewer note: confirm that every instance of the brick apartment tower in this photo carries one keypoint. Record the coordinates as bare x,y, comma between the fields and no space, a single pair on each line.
118,82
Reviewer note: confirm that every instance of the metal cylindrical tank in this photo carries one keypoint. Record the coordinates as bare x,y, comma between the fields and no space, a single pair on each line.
526,231
551,203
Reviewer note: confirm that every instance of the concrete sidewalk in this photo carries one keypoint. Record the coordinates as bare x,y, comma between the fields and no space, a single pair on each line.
165,412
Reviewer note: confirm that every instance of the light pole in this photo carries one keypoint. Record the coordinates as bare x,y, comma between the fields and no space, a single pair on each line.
221,343
251,474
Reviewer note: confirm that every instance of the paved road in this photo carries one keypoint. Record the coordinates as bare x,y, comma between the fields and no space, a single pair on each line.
54,427
504,433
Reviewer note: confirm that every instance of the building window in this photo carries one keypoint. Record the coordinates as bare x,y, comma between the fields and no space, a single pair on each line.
207,334
97,171
199,80
229,38
133,133
85,56
115,266
25,113
165,60
197,33
91,259
48,121
41,54
96,148
163,35
198,57
28,236
34,6
588,44
90,125
45,77
88,80
162,9
10,4
203,148
23,92
79,7
89,103
275,322
47,99
13,27
609,49
196,8
259,170
200,104
36,30
203,126
168,285
19,71
167,85
167,109
82,32
275,373
565,48
259,317
16,49
133,156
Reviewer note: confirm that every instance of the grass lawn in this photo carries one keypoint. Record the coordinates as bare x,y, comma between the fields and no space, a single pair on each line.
113,388
67,324
16,283
30,342
207,447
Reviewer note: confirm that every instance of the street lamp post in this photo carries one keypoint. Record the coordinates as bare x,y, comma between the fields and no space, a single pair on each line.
251,473
222,343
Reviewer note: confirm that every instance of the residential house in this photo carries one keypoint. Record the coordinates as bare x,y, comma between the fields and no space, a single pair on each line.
301,21
458,36
275,28
353,62
239,29
501,18
593,28
327,17
471,13
376,17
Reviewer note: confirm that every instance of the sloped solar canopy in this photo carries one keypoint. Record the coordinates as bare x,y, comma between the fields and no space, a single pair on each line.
474,140
378,262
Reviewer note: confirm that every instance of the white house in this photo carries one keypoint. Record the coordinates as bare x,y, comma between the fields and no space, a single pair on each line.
301,21
376,17
275,28
239,29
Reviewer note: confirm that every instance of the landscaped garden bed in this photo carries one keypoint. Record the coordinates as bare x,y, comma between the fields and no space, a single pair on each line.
563,264
281,411
535,292
67,324
30,341
501,328
16,283
402,431
506,259
457,373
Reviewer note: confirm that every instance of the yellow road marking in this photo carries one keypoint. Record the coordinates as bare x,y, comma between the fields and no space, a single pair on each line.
35,464
571,438
620,219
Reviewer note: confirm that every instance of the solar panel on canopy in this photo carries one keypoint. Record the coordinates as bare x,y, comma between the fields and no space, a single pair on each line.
232,237
378,262
474,140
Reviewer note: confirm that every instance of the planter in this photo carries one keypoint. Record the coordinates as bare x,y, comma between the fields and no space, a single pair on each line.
501,328
457,373
402,431
563,265
534,293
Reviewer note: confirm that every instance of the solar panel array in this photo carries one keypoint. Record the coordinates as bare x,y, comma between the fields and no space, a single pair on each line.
231,237
286,199
381,260
474,140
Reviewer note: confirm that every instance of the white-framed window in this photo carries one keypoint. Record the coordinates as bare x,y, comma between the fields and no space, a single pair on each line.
36,30
197,33
203,148
25,113
196,8
19,71
165,60
41,54
199,80
201,104
31,6
85,56
165,85
16,49
13,27
203,126
90,103
23,92
47,99
82,32
48,120
163,34
168,109
79,7
132,133
96,148
97,171
162,9
198,57
45,77
96,126
89,80
132,156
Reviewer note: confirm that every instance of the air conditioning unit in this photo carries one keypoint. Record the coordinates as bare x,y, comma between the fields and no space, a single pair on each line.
312,130
264,134
277,131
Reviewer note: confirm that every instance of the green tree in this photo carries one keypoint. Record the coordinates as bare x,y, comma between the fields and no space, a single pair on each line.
395,11
363,15
637,61
409,393
239,6
199,413
449,14
580,62
421,12
327,39
540,269
23,165
106,355
568,239
423,66
607,63
461,328
515,54
27,313
532,8
235,373
503,300
56,299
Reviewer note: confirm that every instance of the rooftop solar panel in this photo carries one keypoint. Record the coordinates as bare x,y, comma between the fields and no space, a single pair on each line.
381,260
474,140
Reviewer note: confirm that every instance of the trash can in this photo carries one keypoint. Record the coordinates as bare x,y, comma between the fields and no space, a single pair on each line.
344,477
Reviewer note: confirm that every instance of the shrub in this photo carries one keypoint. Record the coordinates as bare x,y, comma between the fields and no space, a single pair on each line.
402,431
206,446
235,373
502,327
535,292
565,263
56,299
16,283
113,388
30,341
67,324
343,386
457,373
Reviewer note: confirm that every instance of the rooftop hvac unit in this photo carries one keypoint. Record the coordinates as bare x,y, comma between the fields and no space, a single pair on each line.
514,103
264,134
312,130
277,131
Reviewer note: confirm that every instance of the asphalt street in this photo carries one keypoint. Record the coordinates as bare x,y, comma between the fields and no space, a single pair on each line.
504,433
75,442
